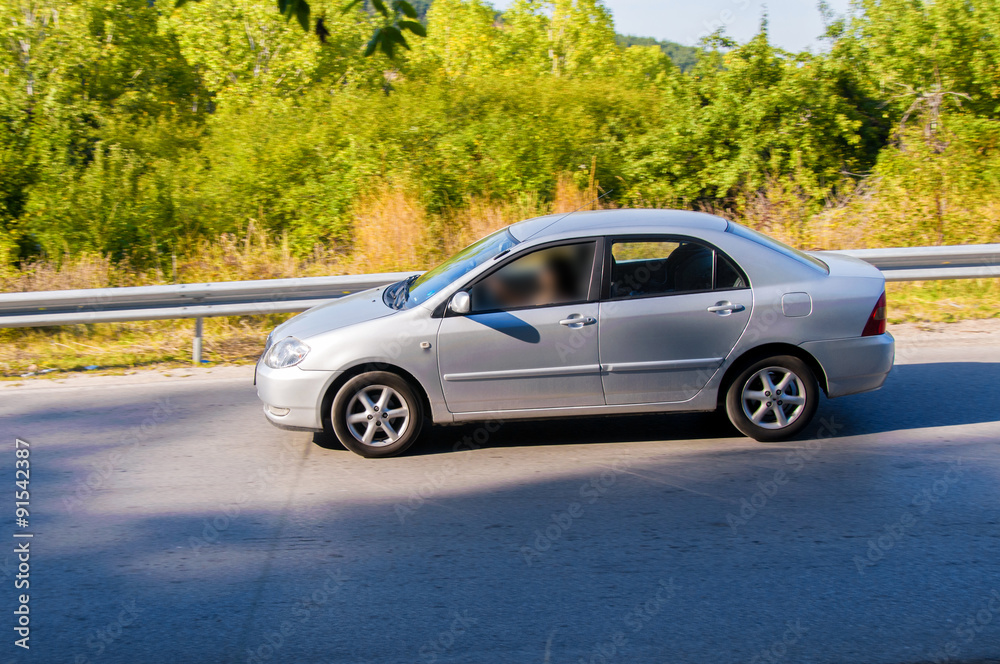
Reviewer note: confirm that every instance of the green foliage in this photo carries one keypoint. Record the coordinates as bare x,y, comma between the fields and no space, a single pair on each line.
134,131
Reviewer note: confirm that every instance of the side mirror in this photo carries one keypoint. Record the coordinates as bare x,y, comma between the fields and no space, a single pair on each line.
460,303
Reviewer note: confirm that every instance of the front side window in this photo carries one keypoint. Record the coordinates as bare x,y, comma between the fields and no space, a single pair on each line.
547,277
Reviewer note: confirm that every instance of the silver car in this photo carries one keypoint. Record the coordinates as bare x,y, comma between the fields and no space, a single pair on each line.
592,313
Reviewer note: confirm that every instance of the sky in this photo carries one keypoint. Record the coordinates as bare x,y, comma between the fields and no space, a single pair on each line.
793,24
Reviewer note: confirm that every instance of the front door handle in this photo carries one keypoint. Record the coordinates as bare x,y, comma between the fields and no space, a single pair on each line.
725,308
577,321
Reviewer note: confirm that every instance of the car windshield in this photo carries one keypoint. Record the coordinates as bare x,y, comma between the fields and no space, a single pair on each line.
416,290
780,247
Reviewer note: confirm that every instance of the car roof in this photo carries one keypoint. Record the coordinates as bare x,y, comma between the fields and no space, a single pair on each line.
610,222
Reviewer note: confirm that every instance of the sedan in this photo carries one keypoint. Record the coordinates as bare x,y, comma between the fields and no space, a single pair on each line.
592,313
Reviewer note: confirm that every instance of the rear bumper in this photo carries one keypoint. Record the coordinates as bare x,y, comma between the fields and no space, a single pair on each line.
300,392
854,365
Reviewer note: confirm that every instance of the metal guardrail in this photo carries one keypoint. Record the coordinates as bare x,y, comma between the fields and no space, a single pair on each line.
226,298
972,261
273,296
198,301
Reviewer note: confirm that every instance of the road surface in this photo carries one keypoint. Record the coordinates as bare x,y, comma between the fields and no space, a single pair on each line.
171,523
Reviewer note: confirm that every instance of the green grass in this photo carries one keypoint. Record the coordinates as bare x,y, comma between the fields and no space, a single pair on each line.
943,301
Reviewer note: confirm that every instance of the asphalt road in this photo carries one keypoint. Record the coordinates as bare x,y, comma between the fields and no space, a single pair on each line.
172,524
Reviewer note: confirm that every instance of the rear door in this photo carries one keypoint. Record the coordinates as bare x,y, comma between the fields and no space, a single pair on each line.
672,310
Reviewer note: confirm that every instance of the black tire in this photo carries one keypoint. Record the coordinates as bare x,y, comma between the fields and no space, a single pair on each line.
742,404
370,416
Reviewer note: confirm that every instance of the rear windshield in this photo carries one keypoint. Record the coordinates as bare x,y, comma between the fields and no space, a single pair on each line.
780,247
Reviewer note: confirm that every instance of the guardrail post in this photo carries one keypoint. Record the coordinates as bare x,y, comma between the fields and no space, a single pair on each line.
196,344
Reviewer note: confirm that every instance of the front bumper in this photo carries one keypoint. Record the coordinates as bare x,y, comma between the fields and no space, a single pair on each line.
300,392
854,365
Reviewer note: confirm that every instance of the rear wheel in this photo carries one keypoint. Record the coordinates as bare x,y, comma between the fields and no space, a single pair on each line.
773,399
376,414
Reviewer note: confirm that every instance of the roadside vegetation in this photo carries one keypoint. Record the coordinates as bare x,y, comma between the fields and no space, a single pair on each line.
141,144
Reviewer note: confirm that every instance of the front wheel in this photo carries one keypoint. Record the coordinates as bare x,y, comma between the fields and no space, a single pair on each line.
376,414
773,399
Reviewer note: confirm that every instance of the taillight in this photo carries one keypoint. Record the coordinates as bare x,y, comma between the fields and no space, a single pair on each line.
876,322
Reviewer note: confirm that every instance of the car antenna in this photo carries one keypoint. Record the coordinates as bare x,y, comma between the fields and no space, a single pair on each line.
556,221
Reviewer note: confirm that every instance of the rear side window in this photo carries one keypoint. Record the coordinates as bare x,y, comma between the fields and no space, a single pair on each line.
727,277
647,268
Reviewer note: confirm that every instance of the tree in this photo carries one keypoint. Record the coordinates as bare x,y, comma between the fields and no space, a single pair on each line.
582,38
912,48
463,39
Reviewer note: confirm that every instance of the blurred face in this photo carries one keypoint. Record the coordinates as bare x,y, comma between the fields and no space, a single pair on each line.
545,277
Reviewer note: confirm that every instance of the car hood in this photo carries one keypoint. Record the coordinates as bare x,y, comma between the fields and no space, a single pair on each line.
349,310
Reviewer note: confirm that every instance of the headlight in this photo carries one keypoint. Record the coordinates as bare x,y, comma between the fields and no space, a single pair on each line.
286,353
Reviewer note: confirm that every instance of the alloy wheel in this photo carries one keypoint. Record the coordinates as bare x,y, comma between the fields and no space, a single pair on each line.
377,415
773,398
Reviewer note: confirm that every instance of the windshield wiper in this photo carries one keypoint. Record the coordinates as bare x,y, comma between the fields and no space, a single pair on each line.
402,292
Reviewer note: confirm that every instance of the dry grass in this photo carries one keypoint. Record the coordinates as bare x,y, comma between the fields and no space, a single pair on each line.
868,215
480,217
787,213
391,233
252,255
570,196
84,271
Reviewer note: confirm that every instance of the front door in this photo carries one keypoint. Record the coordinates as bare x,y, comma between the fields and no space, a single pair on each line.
530,340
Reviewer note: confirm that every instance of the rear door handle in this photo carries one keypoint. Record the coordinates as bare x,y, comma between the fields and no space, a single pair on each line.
725,308
577,321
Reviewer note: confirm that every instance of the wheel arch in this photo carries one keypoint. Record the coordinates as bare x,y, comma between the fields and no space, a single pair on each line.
770,350
367,367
